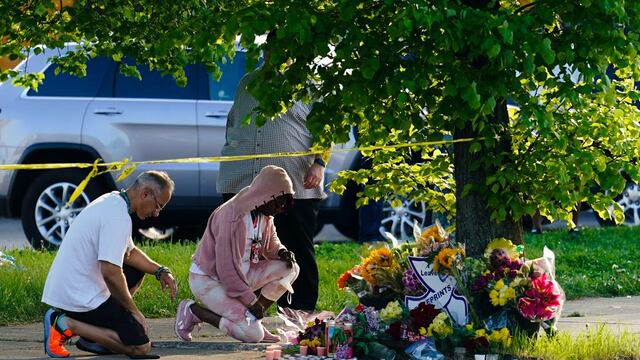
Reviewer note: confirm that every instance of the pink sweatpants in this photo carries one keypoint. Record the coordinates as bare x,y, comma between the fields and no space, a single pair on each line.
267,275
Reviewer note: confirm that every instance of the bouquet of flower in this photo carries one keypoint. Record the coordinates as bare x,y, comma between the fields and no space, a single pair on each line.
504,293
313,335
509,284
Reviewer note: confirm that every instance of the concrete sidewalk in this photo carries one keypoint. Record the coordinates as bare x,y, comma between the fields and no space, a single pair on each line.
25,341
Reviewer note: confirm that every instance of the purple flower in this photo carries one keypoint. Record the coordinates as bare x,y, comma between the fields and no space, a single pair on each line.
372,318
412,285
344,352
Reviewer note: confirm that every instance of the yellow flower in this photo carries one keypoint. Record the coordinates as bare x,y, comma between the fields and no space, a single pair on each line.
500,295
501,337
440,327
310,323
392,311
432,233
504,245
379,261
446,258
422,331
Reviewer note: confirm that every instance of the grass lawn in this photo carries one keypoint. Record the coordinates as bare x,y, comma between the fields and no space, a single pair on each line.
595,262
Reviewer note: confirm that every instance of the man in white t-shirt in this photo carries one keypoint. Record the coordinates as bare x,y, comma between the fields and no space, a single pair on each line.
98,268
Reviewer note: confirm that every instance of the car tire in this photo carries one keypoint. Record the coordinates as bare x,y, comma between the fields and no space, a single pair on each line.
45,221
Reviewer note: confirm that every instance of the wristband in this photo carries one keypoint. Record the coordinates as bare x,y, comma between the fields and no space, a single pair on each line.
320,162
159,272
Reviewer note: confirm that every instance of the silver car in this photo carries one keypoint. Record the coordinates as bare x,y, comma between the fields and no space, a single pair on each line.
110,116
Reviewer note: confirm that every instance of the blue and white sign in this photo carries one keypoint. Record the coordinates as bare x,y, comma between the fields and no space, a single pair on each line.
441,291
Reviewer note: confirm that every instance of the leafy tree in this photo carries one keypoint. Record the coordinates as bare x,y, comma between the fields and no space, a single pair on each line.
409,71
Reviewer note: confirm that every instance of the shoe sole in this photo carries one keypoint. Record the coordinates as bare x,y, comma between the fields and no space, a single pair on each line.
47,334
180,309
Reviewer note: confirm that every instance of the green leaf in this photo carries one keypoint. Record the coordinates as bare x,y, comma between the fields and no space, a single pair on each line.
548,55
505,31
494,50
369,68
470,95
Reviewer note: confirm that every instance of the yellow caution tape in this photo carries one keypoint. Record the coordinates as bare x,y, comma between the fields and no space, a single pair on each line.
129,167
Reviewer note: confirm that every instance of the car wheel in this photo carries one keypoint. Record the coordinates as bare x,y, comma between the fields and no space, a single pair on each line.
45,218
399,220
629,200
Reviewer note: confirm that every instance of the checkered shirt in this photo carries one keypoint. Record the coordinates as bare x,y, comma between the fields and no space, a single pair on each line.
287,133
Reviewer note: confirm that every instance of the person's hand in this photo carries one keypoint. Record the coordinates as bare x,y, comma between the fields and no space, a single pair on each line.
257,310
288,256
168,282
313,177
142,320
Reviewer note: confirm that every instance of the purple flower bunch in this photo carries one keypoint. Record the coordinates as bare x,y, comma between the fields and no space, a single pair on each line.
373,319
501,267
412,285
344,352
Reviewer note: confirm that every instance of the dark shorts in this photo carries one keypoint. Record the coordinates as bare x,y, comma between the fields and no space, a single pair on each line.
111,315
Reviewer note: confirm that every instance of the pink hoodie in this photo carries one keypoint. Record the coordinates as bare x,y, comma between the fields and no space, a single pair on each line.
219,253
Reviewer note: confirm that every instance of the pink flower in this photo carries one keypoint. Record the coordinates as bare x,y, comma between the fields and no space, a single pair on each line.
541,301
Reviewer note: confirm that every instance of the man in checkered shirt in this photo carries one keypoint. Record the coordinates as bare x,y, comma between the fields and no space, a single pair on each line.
286,133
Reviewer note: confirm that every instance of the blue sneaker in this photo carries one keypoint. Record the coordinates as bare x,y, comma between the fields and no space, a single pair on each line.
54,336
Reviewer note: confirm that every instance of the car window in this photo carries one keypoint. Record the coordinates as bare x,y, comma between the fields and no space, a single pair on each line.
68,85
154,85
232,72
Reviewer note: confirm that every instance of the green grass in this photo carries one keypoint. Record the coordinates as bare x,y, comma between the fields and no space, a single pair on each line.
598,344
596,262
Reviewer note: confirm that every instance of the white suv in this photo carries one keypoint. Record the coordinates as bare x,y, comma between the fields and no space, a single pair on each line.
110,116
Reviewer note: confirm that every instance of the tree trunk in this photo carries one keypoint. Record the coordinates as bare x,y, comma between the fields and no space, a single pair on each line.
473,224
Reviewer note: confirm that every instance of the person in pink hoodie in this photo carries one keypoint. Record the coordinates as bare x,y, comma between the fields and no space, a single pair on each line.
238,257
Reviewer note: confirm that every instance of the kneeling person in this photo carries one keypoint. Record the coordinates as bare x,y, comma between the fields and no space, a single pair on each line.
98,269
240,255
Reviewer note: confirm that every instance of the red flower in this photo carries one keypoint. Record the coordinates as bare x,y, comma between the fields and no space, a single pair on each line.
359,308
541,301
423,315
342,280
395,330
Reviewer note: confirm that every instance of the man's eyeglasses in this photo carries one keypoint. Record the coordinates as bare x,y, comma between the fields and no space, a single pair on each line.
159,206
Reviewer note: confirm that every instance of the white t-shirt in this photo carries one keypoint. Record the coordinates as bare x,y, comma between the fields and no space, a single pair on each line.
252,232
102,231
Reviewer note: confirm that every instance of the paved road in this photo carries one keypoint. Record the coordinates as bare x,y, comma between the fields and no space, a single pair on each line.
617,315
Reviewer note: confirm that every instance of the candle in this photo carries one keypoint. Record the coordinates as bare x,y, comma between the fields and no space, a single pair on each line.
268,354
303,349
320,350
277,353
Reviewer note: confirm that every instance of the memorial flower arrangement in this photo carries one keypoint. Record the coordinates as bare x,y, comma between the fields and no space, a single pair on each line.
313,335
501,293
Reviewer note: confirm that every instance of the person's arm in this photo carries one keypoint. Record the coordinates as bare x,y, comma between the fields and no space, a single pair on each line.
117,285
227,262
274,245
137,259
315,175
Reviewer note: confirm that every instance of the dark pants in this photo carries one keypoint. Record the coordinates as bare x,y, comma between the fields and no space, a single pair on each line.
370,215
296,230
111,315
